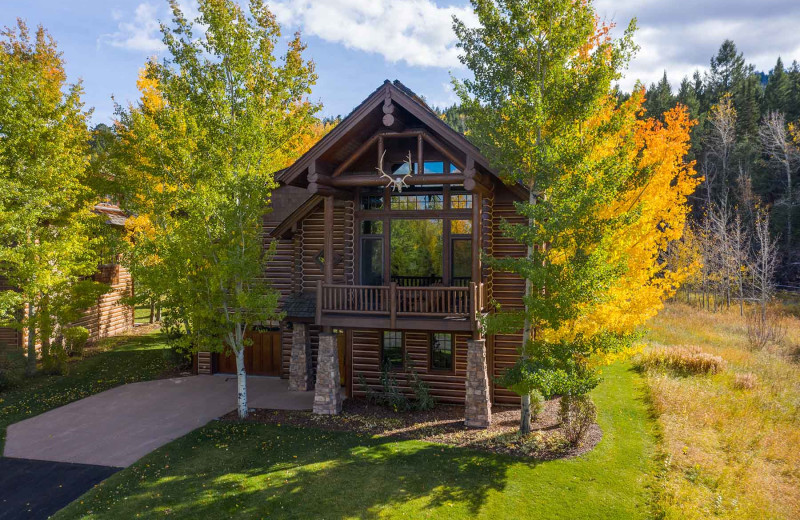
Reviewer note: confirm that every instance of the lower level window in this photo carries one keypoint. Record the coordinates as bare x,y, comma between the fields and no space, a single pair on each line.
392,350
441,351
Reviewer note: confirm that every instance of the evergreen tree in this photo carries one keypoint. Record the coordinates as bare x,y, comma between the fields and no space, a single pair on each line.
659,98
777,90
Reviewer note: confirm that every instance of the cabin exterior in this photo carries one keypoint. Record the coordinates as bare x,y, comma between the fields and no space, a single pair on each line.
109,316
379,230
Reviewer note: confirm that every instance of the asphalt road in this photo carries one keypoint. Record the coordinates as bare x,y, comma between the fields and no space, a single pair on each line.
34,489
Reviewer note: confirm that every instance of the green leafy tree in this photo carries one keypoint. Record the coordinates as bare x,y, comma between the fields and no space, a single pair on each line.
601,183
48,233
195,163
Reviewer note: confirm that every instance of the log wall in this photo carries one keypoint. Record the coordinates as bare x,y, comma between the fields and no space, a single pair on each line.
507,289
110,316
10,339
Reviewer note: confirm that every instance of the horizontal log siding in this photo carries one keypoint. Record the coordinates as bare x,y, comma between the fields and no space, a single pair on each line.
507,289
313,241
10,339
280,266
110,316
445,387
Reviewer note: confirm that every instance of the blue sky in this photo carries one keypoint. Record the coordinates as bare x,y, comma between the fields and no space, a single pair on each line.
356,44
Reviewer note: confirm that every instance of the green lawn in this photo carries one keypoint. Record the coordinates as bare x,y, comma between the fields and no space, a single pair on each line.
265,471
130,359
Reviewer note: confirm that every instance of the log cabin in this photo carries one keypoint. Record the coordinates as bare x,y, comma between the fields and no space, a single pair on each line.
379,230
110,315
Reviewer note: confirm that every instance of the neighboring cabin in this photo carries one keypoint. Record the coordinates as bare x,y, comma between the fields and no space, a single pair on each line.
396,275
109,316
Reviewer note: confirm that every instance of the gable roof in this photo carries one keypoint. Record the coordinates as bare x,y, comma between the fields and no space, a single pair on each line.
405,98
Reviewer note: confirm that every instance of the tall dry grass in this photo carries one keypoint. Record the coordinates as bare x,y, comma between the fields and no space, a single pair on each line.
732,450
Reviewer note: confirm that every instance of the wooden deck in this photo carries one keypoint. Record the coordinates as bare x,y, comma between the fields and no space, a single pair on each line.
393,306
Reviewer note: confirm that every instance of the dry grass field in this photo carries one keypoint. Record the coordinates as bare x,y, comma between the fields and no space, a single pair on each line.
731,439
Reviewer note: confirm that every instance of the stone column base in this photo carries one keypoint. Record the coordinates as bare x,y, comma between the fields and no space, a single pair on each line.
328,395
300,364
477,405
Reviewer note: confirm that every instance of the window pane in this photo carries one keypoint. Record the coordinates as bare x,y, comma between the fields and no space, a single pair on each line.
372,261
417,202
441,351
402,168
371,202
462,262
460,227
460,200
372,227
392,349
417,252
435,167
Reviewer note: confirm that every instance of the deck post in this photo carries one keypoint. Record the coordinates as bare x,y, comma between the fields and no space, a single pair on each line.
300,364
393,305
328,394
319,303
477,404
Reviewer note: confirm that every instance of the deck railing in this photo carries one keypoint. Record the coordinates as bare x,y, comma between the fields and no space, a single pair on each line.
395,301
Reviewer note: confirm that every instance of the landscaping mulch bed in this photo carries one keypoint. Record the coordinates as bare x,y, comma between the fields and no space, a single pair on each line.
443,425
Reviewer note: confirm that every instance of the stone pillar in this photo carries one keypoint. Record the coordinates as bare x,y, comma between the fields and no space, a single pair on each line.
477,408
327,396
300,364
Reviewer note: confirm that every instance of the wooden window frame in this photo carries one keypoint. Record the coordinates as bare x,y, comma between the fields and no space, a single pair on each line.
402,367
452,368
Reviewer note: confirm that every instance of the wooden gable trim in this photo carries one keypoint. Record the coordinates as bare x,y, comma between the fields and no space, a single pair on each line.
373,100
296,216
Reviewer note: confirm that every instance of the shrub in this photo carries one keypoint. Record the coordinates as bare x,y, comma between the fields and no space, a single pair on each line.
75,339
390,394
765,328
685,359
537,404
12,370
578,413
745,381
423,400
55,362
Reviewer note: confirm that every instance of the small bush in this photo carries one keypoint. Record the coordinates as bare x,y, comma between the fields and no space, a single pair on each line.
537,404
745,381
686,360
765,328
12,370
75,339
578,413
55,362
390,394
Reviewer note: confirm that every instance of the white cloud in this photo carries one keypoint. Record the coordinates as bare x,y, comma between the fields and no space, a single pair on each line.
140,33
682,36
417,32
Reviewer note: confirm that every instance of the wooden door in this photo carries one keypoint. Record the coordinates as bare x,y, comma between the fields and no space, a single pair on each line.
262,358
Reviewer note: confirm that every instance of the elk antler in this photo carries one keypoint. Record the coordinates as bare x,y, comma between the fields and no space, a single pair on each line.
397,183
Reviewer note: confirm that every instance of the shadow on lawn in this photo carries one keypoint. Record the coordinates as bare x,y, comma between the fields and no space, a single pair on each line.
271,471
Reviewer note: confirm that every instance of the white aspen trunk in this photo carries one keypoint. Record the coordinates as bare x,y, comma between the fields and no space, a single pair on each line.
525,409
241,383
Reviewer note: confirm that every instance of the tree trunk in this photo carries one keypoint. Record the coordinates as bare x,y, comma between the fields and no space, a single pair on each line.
45,327
158,312
152,311
30,369
525,415
241,379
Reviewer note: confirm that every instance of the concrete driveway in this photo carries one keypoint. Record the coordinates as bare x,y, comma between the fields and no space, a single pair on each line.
119,426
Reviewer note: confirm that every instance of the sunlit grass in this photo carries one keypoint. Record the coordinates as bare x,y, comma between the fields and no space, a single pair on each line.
123,360
731,452
248,470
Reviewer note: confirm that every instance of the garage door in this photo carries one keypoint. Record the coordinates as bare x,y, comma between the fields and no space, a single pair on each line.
262,358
